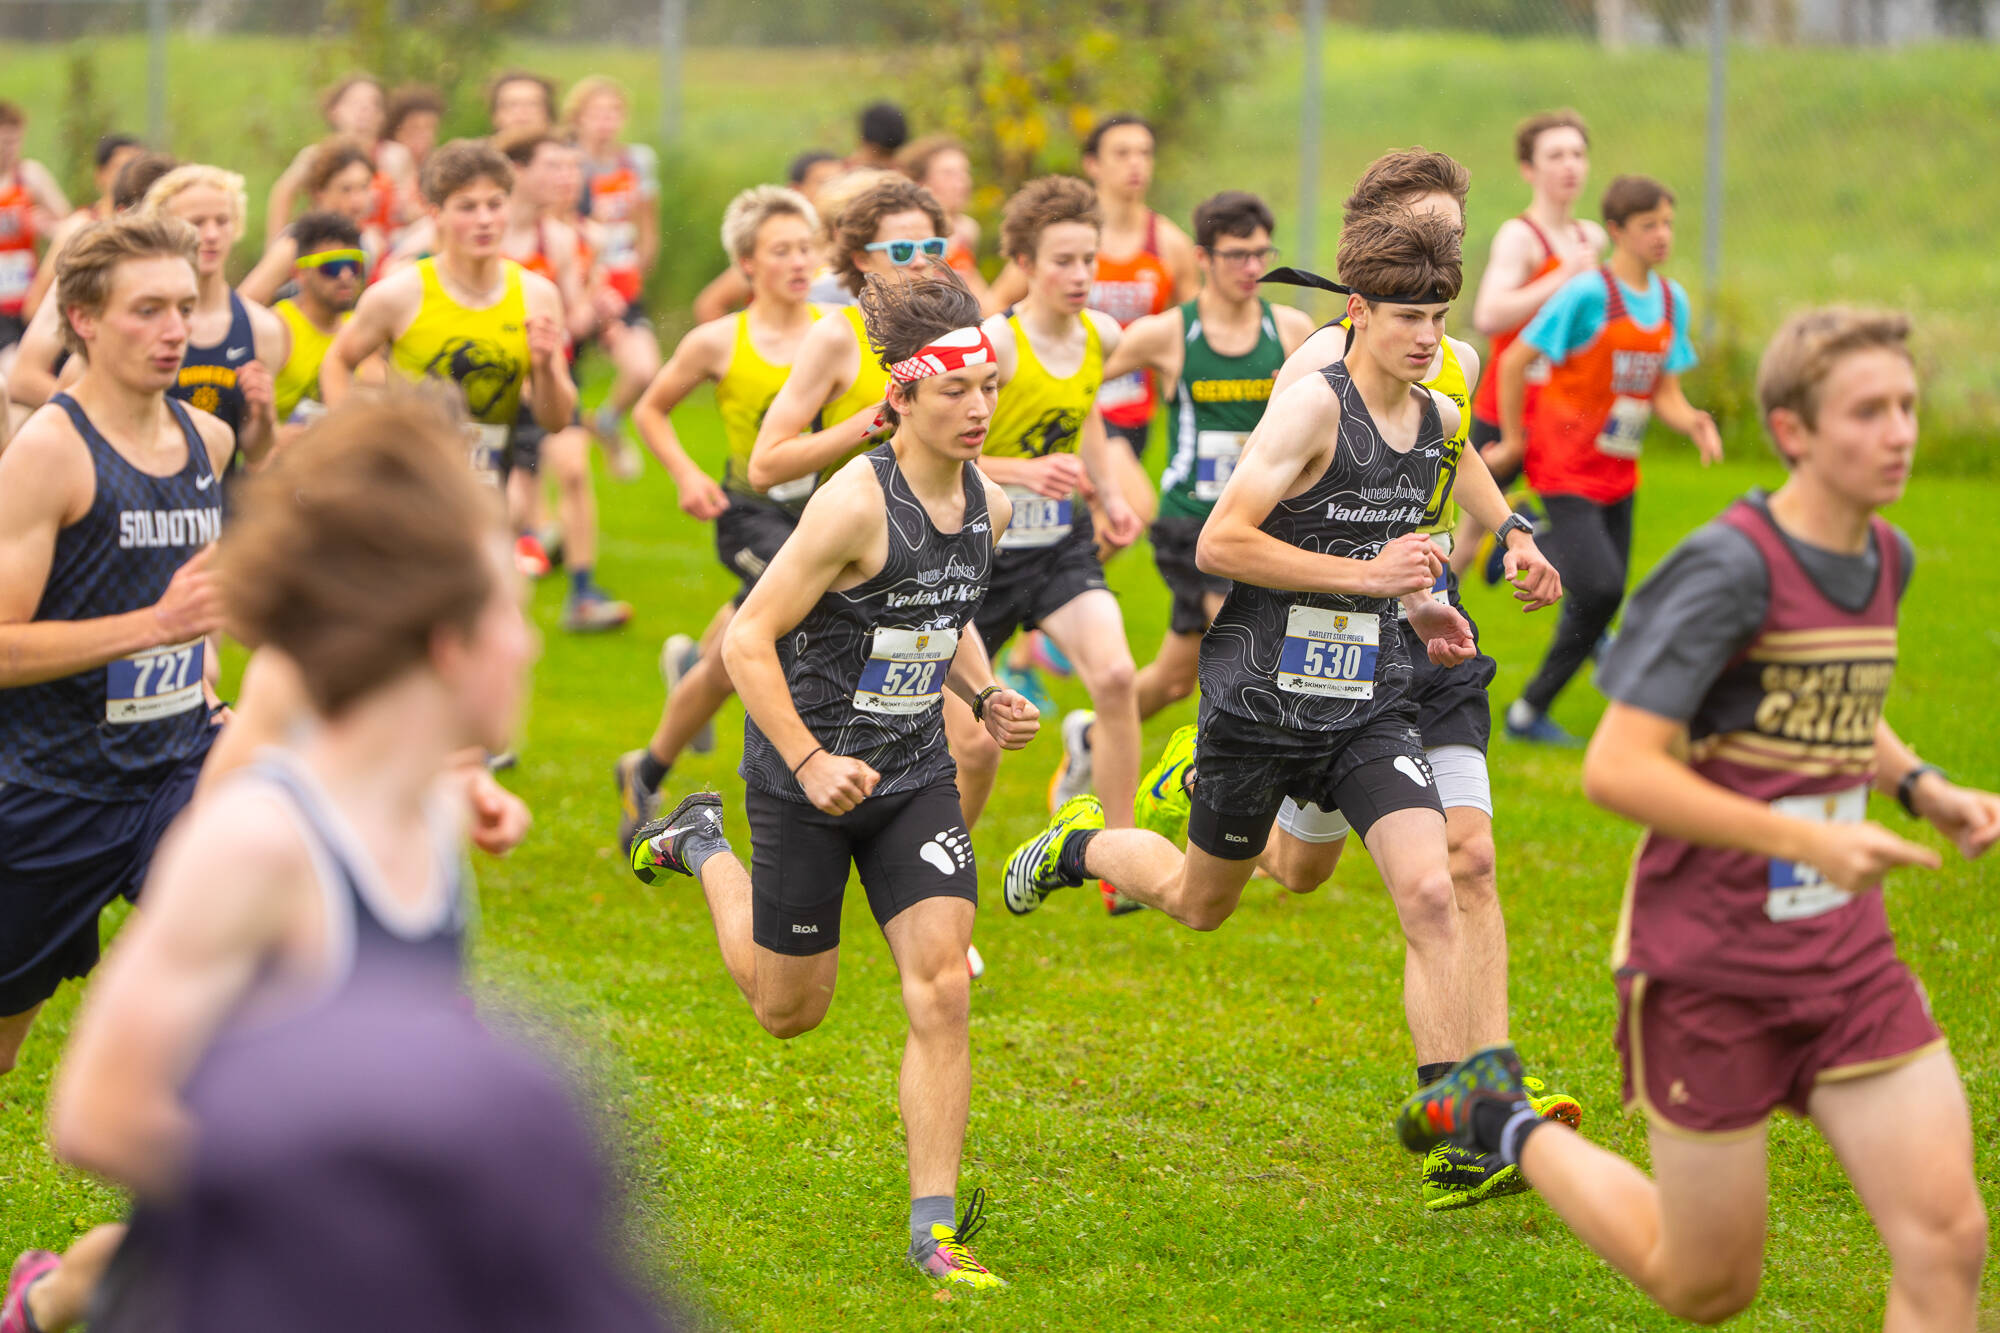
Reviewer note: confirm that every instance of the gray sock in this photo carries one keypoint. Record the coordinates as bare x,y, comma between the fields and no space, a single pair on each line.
938,1208
702,846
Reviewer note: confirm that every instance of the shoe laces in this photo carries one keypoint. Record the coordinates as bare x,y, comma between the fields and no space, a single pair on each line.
969,1223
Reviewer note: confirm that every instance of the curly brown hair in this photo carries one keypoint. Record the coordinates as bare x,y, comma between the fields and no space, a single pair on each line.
902,318
853,228
1396,251
1041,204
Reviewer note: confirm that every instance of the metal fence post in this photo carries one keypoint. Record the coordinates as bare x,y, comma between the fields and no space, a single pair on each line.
673,36
1711,227
1309,102
156,73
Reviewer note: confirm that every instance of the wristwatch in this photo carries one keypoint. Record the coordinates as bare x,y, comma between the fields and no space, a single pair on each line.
1514,523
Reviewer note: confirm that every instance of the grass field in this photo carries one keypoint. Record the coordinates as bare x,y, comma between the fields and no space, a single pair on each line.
1174,1130
1825,197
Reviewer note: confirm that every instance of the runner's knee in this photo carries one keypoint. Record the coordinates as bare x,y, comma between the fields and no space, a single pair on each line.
1113,679
788,1016
1713,1297
1472,870
938,999
1942,1232
1427,904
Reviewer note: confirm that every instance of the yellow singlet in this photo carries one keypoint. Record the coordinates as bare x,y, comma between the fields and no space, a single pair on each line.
298,379
1039,414
743,395
1441,518
871,378
485,352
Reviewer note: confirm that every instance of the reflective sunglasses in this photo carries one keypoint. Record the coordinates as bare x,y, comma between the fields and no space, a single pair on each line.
334,263
904,252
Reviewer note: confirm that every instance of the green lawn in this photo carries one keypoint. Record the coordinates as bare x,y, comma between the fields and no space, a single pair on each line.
1174,1130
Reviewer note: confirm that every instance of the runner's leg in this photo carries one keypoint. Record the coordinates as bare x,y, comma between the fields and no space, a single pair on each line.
1905,1139
566,458
789,993
1410,852
928,940
1091,633
696,699
61,1299
1171,676
1588,544
14,1031
1469,832
1195,888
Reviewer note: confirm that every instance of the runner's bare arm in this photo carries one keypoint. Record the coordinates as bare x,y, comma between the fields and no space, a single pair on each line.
1007,289
1320,348
1966,815
1670,402
843,527
1008,717
1476,492
1512,372
258,380
384,310
32,380
1636,766
727,291
218,902
702,355
1506,298
550,392
1295,326
1154,342
787,447
1177,250
46,482
50,205
273,271
45,272
285,192
1093,448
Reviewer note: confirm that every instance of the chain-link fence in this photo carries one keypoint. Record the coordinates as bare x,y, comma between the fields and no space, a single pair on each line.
1820,149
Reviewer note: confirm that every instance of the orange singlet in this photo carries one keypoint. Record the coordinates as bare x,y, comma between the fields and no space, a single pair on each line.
1486,402
960,258
1591,415
17,247
1129,289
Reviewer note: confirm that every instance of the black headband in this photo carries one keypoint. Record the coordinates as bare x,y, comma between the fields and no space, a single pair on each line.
1298,277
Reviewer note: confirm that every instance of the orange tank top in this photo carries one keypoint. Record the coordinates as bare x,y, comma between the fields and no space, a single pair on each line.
961,258
17,246
1591,415
1486,402
1128,289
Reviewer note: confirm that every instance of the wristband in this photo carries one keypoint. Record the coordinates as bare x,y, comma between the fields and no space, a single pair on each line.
1906,789
979,702
817,749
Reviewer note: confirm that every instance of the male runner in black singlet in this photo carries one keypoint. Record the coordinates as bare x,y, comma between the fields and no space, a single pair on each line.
108,499
1304,677
843,652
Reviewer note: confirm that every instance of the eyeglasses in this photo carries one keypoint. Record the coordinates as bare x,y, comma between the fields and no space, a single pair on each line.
335,263
1242,258
904,252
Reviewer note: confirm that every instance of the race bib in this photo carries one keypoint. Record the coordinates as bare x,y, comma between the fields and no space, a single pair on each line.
1797,891
905,670
17,274
487,445
1624,432
790,492
306,412
1329,653
160,682
1215,455
1038,520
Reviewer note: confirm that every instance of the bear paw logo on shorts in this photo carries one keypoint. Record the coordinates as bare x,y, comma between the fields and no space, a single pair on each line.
1413,769
949,852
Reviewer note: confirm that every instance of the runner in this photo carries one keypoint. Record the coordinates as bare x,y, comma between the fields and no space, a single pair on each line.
772,233
830,403
1616,342
844,653
374,565
412,120
112,153
329,276
519,102
235,347
31,205
938,162
340,181
881,131
470,315
108,499
1755,965
620,197
354,109
809,173
1454,713
1046,445
1214,397
1303,694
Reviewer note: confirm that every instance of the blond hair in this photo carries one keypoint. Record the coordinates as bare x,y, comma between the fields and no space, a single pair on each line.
196,175
89,259
587,87
1799,359
749,211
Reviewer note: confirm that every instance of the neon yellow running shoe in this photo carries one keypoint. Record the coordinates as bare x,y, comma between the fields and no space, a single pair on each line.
945,1257
1455,1177
1163,802
1033,871
1552,1105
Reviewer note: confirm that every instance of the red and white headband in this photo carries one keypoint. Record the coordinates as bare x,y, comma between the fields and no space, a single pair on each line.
953,351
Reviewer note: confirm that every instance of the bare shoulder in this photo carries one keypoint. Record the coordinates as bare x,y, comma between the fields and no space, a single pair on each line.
45,461
1600,240
1468,358
231,848
999,505
1171,237
1295,327
1109,330
215,434
1511,236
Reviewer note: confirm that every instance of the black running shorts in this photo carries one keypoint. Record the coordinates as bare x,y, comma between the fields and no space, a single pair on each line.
1452,704
907,847
748,535
1030,585
1174,539
1244,770
1135,437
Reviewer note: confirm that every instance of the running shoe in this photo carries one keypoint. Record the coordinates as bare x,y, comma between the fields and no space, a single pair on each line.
594,611
678,656
1042,651
1443,1111
1027,682
551,538
621,456
1455,1177
1163,803
1072,776
662,844
29,1268
1552,1105
1532,728
975,966
1033,872
945,1256
636,805
530,558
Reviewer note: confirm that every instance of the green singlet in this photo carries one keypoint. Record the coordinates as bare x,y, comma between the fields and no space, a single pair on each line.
1214,406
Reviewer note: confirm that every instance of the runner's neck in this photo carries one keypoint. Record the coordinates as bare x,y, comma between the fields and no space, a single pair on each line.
474,275
1809,510
936,478
211,291
777,314
1039,321
1219,311
121,413
1124,213
1385,396
1631,270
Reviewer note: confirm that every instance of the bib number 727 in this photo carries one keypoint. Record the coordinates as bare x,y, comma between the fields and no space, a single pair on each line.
160,682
